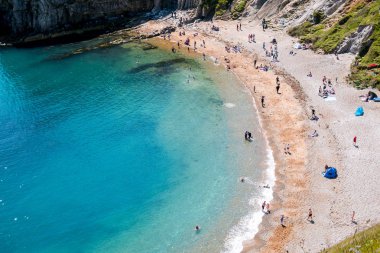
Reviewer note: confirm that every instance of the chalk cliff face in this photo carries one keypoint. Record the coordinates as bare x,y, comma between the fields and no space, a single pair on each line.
24,17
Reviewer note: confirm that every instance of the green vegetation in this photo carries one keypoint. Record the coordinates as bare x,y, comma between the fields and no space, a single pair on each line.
328,38
367,241
238,8
222,6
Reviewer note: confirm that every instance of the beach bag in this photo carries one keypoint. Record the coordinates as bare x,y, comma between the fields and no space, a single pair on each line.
359,111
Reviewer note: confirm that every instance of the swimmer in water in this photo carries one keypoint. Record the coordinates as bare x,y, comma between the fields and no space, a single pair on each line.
242,179
197,228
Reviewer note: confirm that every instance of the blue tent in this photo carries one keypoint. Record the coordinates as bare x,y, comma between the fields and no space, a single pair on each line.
330,173
359,111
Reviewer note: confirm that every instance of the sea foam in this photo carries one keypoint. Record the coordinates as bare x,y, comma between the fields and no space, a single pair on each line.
248,226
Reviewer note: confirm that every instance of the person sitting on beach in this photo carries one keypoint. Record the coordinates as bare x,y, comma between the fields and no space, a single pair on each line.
326,168
187,42
287,149
309,75
314,134
313,116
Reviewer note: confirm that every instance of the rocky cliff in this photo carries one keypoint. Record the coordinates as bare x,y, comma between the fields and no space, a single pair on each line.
21,18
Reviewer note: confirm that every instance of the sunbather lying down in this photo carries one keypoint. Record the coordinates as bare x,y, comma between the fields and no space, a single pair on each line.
313,134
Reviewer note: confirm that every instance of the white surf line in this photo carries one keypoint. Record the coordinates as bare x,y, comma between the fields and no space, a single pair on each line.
248,225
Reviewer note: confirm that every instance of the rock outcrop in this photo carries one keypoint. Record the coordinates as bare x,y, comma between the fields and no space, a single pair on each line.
354,42
22,18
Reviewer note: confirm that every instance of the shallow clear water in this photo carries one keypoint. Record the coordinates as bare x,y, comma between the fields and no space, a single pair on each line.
113,150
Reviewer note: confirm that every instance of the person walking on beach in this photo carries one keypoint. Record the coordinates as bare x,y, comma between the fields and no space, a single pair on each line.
204,56
278,88
240,27
282,220
310,216
353,217
355,145
237,27
263,101
263,206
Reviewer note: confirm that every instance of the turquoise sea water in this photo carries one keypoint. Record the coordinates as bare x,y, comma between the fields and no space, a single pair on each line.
114,150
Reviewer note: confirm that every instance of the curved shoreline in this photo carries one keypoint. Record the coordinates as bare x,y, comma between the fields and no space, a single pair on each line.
242,67
299,184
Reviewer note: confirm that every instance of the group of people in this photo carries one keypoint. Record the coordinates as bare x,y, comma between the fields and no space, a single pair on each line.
248,136
265,207
327,88
251,38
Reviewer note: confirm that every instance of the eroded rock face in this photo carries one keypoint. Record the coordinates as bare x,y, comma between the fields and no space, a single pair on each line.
25,17
44,16
354,42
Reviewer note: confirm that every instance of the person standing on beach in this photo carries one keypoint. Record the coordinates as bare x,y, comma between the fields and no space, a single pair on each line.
355,145
254,63
278,88
263,206
204,56
263,101
310,216
353,217
282,220
240,27
237,27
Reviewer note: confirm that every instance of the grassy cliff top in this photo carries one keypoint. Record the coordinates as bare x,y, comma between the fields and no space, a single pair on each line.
328,37
367,241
